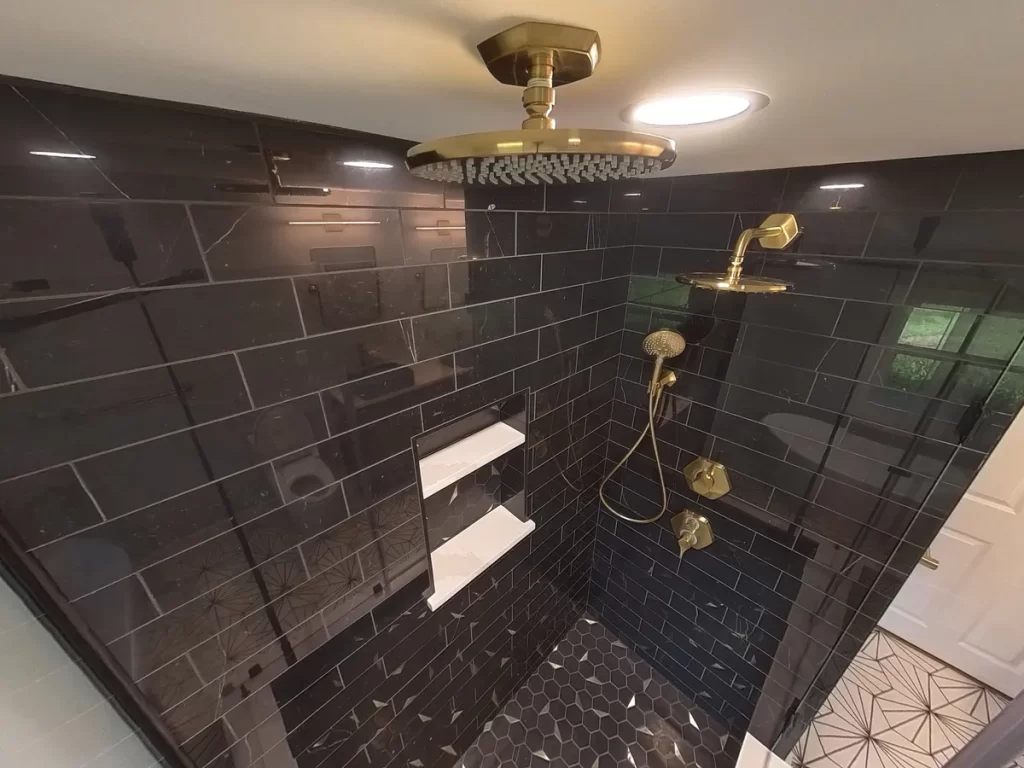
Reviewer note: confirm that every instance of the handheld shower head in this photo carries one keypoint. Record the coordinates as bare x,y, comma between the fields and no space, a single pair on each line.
664,343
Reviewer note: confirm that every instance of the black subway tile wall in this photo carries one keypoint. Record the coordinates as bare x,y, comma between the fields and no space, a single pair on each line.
218,340
220,335
851,413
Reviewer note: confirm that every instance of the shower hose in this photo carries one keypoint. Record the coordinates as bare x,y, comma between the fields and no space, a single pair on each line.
653,398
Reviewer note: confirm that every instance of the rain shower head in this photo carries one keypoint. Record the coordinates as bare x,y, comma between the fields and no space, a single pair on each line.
776,231
539,56
664,343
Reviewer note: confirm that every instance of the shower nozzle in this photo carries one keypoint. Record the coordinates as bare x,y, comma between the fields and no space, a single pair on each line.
664,343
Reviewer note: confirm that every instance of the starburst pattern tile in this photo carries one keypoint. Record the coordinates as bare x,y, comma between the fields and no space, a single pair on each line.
594,704
897,707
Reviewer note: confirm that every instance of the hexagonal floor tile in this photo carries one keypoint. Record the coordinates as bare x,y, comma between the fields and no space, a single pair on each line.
594,703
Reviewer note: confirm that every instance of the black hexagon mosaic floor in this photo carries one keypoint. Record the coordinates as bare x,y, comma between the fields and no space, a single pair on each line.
594,704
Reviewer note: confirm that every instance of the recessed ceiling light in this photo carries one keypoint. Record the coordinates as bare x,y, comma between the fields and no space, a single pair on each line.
632,194
696,108
841,186
367,164
73,155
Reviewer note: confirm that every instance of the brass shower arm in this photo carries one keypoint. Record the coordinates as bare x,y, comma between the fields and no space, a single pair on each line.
743,242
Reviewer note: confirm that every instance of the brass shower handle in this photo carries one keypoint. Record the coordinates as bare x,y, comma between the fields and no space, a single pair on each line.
707,478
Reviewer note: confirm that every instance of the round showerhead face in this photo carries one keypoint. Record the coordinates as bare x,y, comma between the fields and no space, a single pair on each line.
664,343
717,281
541,156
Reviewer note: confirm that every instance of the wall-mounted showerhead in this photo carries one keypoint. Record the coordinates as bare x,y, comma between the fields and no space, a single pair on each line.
538,56
776,231
664,343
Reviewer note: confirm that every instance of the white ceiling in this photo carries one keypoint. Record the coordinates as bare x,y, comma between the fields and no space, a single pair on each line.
848,79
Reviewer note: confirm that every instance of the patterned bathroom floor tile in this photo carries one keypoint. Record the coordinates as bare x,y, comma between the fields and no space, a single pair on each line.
897,707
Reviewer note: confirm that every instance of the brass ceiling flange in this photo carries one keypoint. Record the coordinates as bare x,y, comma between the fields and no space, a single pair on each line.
574,52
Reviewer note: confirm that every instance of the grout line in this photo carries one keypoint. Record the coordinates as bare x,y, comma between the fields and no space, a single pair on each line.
305,567
956,184
245,382
199,244
298,307
149,593
85,487
871,232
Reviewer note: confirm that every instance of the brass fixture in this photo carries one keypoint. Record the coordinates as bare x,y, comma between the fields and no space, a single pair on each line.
707,478
661,344
692,531
541,56
777,231
928,561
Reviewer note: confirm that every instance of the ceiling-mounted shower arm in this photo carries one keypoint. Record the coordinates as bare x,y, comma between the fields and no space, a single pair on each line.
539,94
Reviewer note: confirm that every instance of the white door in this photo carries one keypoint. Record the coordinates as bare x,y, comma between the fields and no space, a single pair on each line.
969,612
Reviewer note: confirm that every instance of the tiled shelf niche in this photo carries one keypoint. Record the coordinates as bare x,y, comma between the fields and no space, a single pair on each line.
472,484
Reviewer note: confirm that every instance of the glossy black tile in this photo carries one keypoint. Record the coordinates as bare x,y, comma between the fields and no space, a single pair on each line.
111,412
176,463
57,247
49,342
296,368
446,236
646,195
836,233
746,191
559,337
445,332
548,307
312,166
591,198
479,281
549,232
686,230
979,237
147,150
46,506
504,198
546,371
571,268
789,310
488,360
605,294
463,401
266,241
396,389
863,279
917,184
989,181
335,302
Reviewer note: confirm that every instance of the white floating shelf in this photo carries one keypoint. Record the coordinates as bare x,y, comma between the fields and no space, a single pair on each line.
472,551
444,467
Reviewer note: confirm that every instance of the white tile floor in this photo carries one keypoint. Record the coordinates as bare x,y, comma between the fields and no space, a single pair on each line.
896,707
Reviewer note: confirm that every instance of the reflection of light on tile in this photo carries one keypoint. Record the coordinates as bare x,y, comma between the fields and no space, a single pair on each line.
854,185
329,223
367,164
71,155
